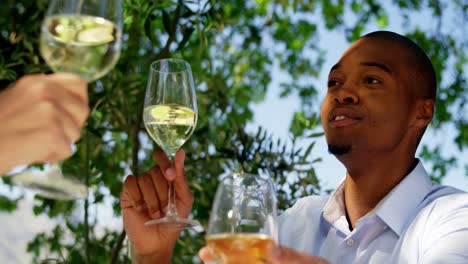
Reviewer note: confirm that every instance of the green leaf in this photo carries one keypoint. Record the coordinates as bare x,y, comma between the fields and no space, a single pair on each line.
382,20
7,204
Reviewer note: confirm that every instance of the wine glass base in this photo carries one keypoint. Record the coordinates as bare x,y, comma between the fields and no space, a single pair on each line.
51,184
176,222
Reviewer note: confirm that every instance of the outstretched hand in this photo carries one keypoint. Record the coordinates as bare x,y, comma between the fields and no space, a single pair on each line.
145,197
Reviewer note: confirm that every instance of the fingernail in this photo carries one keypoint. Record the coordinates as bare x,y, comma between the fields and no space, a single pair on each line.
170,174
156,214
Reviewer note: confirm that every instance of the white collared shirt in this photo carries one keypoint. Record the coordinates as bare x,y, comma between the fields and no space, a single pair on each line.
417,222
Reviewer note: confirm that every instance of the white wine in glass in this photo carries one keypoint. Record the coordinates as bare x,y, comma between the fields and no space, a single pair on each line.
169,125
85,45
243,221
82,37
170,116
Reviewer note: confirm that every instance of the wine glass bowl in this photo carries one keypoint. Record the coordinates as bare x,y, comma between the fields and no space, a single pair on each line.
170,116
243,220
82,44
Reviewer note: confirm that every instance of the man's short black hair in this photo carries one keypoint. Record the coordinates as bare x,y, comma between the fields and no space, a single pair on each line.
420,62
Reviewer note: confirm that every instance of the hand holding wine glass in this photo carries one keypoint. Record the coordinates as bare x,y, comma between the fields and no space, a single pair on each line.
144,197
41,114
170,117
81,37
243,223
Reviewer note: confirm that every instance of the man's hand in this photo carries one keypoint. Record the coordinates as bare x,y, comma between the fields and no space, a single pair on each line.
275,255
144,198
41,116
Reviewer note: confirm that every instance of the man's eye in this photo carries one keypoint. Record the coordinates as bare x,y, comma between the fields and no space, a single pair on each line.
372,80
332,83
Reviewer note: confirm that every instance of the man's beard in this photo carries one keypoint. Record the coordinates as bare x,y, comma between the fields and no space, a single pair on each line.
338,149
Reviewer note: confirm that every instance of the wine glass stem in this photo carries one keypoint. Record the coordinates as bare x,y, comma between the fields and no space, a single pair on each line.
171,196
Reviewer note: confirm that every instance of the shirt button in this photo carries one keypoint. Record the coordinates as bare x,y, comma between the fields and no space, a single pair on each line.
350,242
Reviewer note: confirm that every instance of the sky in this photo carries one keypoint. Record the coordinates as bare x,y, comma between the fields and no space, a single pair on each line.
20,227
274,114
17,229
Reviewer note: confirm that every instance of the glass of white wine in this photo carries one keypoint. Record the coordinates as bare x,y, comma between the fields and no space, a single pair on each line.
81,37
243,219
170,116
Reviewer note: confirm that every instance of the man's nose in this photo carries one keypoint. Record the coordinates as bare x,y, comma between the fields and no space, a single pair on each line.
346,96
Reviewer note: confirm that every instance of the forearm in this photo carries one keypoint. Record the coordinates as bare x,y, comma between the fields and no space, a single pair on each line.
150,259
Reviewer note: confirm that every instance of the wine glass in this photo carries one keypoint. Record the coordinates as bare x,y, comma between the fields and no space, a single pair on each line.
170,116
81,37
243,219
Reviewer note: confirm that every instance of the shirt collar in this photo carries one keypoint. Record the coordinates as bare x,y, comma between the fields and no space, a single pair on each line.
400,205
396,209
335,207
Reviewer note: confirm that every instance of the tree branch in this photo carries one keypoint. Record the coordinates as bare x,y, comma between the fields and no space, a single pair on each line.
172,34
86,204
133,131
118,247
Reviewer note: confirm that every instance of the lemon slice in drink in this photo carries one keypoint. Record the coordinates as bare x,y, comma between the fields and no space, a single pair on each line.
172,114
97,34
63,31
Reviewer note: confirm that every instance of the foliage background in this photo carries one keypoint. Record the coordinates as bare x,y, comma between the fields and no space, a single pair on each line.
233,47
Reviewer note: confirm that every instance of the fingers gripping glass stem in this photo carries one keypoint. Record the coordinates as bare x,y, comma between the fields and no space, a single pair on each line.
172,218
170,116
171,205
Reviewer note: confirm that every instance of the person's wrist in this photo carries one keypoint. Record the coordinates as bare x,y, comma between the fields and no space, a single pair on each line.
156,257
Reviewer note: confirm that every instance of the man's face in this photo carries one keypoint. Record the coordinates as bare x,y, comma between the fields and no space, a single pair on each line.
369,101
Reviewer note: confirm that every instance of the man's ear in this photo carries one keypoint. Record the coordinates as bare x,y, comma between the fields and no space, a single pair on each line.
424,112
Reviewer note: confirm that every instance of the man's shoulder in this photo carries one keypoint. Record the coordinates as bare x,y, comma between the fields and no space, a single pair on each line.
441,220
445,197
441,207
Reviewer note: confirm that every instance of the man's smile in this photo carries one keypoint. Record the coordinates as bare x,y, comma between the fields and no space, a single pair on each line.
343,116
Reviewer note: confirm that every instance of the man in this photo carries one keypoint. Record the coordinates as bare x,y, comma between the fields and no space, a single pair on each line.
41,116
380,100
